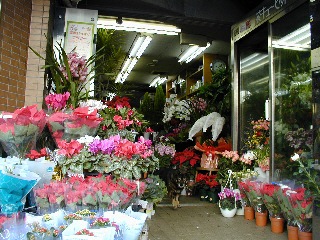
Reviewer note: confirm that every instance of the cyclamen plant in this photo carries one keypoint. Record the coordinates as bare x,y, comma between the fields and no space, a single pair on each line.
228,198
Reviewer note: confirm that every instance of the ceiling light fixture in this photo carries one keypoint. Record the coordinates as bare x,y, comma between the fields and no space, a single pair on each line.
138,26
157,81
136,51
191,53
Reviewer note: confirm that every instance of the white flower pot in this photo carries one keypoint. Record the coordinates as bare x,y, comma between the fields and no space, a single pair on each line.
228,213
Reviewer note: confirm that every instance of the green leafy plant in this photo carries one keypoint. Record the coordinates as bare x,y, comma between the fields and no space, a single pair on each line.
156,189
65,77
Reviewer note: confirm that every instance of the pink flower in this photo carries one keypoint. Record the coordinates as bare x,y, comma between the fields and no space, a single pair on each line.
69,149
57,101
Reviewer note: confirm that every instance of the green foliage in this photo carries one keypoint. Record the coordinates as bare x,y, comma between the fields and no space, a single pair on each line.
56,58
146,106
217,94
156,189
159,100
108,65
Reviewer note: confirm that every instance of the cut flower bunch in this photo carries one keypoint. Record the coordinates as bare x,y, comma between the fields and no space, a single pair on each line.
257,143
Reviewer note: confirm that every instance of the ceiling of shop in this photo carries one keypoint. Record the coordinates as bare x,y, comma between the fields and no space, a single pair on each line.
209,18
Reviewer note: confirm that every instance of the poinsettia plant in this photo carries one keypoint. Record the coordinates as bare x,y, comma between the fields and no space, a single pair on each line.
206,181
301,207
270,199
19,130
186,160
102,192
285,205
73,124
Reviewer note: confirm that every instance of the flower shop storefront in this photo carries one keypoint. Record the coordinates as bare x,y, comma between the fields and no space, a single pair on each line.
272,83
274,106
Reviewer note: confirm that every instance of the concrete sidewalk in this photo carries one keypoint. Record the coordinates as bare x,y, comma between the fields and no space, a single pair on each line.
202,220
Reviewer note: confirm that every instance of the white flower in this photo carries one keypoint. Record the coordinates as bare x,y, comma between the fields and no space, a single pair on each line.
249,155
87,139
295,157
93,104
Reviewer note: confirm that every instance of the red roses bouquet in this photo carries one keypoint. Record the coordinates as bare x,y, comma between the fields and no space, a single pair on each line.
19,130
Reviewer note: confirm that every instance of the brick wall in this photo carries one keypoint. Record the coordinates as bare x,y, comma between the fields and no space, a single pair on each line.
38,32
22,23
14,41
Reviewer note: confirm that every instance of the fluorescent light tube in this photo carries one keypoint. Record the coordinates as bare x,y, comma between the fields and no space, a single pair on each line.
138,26
137,50
191,53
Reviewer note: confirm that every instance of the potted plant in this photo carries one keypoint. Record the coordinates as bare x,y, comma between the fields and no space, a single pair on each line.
228,202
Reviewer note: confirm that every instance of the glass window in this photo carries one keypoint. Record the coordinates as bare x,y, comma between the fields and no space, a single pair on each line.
293,87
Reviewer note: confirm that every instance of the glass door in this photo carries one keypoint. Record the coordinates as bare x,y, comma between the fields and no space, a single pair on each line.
292,94
273,82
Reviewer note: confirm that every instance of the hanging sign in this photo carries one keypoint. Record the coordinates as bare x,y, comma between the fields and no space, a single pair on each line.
262,14
79,37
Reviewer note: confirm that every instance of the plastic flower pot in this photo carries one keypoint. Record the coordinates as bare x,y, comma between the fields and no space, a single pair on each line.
248,213
277,224
305,235
292,232
261,218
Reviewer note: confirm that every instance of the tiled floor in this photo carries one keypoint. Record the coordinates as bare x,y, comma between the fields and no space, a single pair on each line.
203,220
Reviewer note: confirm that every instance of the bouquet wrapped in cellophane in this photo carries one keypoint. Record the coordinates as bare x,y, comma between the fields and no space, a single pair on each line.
19,130
15,184
73,124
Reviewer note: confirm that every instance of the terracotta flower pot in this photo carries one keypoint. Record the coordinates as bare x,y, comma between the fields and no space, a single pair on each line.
261,218
292,232
248,213
305,235
277,224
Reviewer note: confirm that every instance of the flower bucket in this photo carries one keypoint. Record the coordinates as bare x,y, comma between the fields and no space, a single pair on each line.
261,219
292,232
277,224
305,235
240,211
262,176
228,213
248,213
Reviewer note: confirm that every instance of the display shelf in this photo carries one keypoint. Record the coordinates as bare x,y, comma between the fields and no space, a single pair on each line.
199,70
